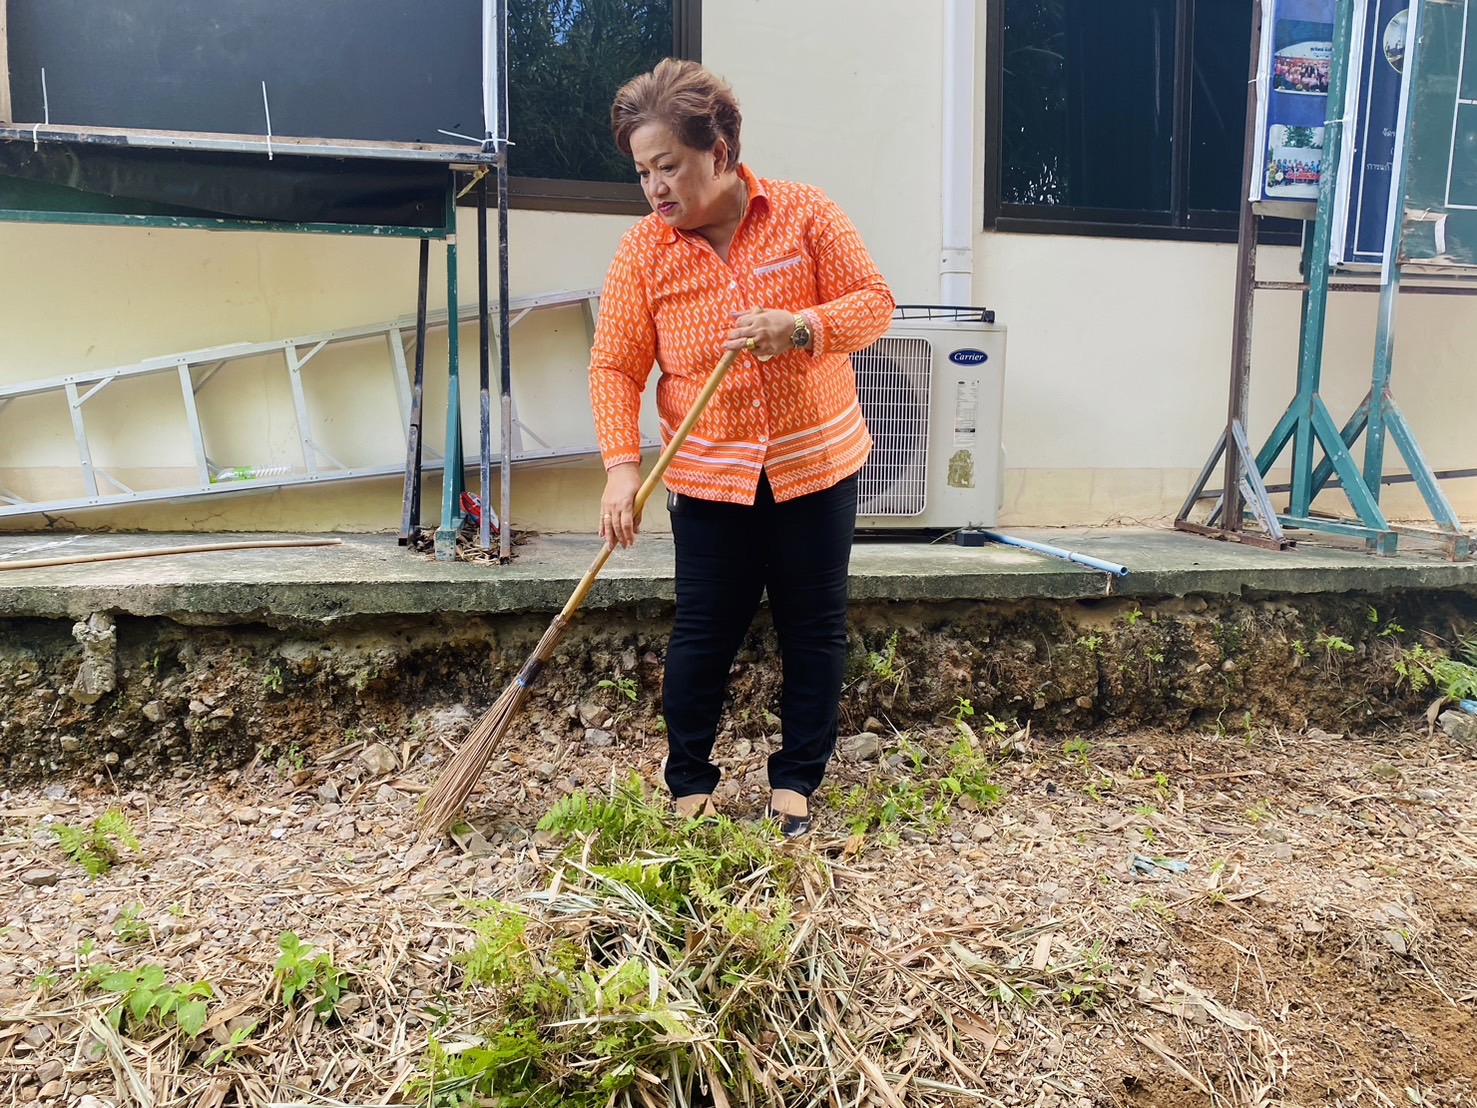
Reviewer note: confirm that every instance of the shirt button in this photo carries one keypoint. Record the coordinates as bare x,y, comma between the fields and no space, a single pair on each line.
733,284
763,439
758,403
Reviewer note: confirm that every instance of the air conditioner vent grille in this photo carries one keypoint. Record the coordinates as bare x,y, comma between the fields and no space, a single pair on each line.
893,378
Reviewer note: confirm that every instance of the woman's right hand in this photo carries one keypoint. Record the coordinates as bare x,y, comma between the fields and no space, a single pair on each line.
619,520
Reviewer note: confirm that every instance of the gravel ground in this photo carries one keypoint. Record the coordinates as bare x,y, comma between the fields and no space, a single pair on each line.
1232,919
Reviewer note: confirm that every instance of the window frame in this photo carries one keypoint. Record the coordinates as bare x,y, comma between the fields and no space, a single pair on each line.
1181,224
548,194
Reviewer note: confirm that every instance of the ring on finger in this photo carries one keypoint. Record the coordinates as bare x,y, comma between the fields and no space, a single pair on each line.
751,343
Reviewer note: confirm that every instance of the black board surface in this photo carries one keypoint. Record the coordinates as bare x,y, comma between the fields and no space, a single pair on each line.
370,72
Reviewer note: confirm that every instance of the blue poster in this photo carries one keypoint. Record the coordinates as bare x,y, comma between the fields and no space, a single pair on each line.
1297,55
1381,63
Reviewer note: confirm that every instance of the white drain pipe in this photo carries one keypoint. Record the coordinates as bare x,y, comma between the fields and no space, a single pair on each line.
956,261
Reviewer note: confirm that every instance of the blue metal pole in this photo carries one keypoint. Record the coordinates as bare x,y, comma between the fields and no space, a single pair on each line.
452,477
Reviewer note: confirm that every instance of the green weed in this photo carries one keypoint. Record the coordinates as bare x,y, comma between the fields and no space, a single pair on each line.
146,1000
131,926
656,953
308,975
622,684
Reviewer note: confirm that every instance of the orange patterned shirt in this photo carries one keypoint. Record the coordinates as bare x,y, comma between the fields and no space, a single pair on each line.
669,300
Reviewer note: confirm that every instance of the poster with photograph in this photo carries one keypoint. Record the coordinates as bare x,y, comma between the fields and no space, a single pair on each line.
1292,106
1373,103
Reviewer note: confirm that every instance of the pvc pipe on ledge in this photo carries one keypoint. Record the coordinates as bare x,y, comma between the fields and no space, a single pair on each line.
1099,564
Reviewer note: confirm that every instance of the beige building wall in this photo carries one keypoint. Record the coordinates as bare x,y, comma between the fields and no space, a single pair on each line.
1118,349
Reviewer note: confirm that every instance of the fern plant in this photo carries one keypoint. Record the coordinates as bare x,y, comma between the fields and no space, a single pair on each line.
95,847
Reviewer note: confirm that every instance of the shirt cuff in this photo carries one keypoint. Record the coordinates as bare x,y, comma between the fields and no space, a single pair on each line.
817,331
620,457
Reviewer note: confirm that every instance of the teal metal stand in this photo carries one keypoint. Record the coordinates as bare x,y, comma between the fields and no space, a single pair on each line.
1378,417
453,477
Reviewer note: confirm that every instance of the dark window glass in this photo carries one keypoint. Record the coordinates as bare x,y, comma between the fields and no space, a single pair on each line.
566,58
1120,115
1222,42
1088,103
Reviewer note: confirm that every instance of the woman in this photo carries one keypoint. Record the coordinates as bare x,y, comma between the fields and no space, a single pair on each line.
763,493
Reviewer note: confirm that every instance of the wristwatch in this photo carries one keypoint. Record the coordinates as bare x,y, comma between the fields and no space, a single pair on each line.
800,336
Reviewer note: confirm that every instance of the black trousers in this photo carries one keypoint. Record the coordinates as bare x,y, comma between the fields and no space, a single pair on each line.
728,555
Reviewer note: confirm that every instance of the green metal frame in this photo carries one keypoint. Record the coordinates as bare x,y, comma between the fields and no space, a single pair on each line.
1307,422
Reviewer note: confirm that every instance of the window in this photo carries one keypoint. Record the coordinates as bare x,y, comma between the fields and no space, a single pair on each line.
566,58
1118,116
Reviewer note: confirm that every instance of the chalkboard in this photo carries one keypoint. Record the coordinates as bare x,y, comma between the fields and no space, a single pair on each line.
208,188
380,74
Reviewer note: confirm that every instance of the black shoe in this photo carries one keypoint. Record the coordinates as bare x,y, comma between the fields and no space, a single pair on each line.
791,827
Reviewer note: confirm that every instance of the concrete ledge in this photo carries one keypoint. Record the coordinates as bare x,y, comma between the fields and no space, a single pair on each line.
371,576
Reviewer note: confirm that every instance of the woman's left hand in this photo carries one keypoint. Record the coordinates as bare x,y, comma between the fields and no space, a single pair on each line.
768,329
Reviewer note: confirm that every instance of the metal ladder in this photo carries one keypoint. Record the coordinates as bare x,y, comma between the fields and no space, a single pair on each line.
195,369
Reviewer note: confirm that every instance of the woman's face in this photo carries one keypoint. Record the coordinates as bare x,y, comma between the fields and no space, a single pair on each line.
683,185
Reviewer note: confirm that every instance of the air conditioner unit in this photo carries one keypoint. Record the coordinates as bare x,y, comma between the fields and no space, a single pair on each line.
932,390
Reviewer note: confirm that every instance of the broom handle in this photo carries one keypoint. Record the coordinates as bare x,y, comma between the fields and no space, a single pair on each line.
654,478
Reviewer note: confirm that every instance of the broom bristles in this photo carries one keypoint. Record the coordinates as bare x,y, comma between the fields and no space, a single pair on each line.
448,794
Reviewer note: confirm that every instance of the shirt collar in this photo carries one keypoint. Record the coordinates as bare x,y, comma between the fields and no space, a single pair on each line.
757,197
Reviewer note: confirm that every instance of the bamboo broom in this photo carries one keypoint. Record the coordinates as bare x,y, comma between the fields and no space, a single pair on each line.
448,794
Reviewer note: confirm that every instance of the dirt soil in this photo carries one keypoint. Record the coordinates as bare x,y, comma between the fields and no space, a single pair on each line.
1208,917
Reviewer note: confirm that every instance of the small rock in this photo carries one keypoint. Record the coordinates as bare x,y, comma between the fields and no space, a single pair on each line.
596,737
39,1035
246,816
1395,941
55,792
1282,852
154,712
1085,703
593,714
70,744
743,748
860,748
98,673
875,726
1273,834
328,791
982,831
40,878
1459,726
348,1004
90,1101
387,794
49,1071
378,759
546,771
199,708
52,1089
27,1094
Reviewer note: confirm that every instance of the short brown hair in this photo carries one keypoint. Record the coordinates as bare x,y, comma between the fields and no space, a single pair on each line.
698,105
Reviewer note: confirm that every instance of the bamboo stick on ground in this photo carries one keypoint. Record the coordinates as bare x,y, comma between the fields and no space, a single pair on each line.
159,552
448,795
